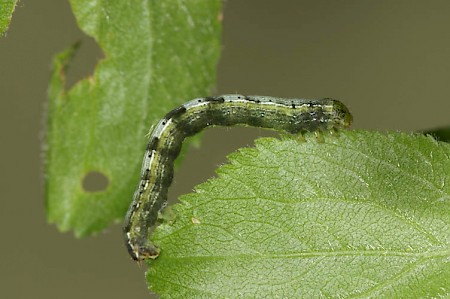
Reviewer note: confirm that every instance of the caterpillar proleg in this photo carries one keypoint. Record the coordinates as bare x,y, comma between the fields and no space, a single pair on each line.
287,115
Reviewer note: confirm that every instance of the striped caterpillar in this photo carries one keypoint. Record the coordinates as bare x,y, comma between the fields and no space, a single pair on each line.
287,115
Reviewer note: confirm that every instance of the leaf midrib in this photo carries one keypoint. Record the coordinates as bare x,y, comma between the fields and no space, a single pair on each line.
335,253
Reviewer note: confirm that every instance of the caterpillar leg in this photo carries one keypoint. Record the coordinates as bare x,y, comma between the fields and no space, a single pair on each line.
141,250
319,136
333,132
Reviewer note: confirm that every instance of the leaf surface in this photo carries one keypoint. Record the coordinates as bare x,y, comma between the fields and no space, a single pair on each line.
158,55
6,10
361,215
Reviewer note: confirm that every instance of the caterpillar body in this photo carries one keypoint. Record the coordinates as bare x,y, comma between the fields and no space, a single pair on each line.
287,115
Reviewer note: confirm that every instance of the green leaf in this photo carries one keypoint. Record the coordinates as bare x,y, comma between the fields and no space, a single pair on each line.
360,215
6,10
158,54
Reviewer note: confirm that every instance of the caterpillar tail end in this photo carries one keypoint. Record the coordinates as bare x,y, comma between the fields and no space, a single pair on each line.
141,251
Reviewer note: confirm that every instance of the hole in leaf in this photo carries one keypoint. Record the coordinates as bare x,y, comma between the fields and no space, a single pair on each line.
95,181
84,62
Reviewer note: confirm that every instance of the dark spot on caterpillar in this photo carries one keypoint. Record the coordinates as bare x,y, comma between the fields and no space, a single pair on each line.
146,174
175,112
153,143
293,106
215,99
252,100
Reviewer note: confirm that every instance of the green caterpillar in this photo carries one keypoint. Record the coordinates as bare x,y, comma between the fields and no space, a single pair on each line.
287,115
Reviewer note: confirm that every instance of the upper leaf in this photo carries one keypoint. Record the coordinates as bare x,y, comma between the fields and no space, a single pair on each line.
363,215
6,10
158,54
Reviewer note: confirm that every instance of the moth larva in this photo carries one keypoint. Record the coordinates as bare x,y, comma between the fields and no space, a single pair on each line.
287,115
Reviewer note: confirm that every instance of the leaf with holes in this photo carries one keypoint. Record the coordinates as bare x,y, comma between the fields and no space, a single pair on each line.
362,215
158,54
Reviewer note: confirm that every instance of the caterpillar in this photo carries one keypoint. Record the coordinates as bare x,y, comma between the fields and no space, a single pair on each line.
287,115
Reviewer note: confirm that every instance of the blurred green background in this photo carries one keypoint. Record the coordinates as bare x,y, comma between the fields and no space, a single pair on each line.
387,60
